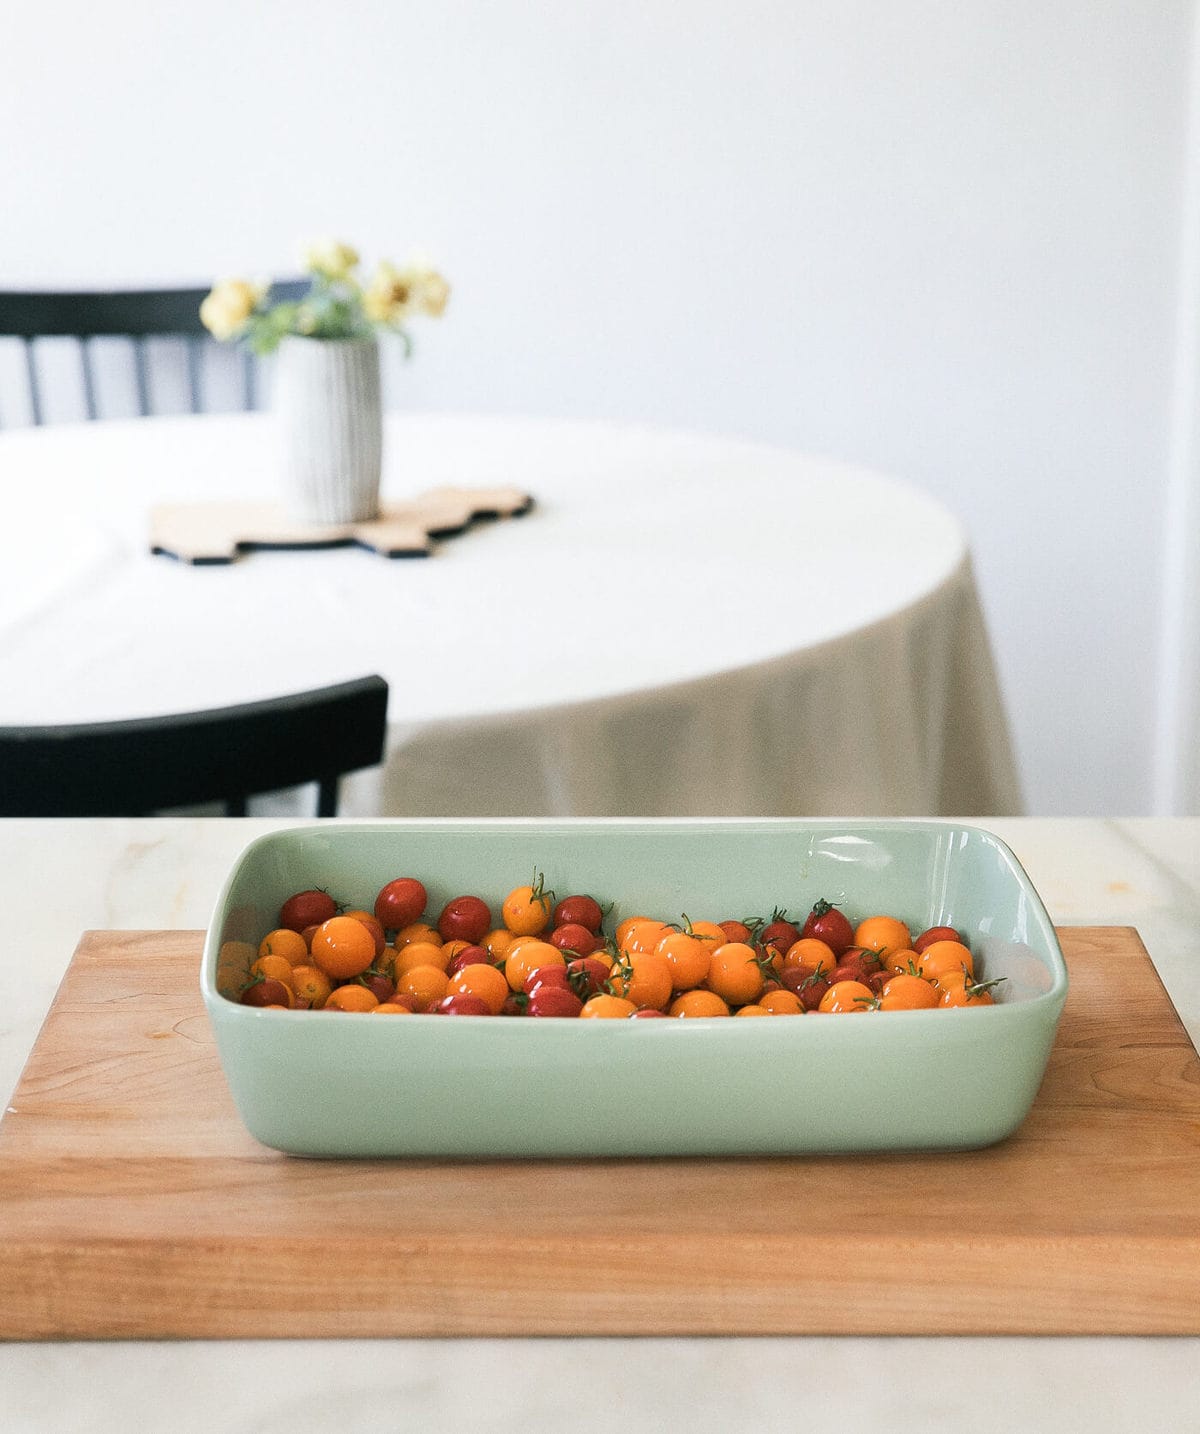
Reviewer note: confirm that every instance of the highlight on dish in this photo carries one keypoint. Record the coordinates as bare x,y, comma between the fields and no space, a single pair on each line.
533,954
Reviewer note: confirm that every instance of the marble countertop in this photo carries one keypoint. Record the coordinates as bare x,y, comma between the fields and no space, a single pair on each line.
60,878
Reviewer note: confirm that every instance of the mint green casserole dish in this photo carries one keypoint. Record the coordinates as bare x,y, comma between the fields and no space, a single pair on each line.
357,1085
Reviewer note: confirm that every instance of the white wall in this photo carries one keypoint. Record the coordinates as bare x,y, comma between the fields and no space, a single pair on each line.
938,236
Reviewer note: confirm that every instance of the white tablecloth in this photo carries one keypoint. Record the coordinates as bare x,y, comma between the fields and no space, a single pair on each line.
681,626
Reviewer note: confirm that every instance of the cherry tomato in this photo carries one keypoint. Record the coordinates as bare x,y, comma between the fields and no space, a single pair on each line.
573,936
467,918
688,956
828,924
935,933
736,931
587,975
526,909
940,957
400,903
268,992
734,973
883,935
646,1012
779,932
606,1007
578,911
550,1000
379,985
848,997
462,1003
907,993
306,908
469,956
374,926
546,976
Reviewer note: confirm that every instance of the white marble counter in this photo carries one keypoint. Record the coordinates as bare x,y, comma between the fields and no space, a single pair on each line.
58,879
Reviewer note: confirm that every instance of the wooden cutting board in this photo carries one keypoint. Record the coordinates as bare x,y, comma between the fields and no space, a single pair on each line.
134,1204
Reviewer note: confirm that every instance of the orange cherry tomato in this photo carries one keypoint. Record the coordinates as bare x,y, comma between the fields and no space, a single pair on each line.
284,942
812,952
426,985
734,973
497,942
643,977
883,934
416,931
969,993
373,926
943,956
352,997
906,961
644,937
781,1003
689,957
709,932
526,909
312,987
481,980
905,992
342,947
419,953
391,1008
698,1003
279,968
752,1010
606,1007
525,956
847,997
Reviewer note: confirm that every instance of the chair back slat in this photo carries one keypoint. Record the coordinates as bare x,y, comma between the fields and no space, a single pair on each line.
134,314
147,765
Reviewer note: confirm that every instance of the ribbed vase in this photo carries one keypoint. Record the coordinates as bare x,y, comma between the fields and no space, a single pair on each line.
327,398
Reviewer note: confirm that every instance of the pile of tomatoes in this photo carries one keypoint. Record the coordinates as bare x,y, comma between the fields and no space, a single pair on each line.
549,957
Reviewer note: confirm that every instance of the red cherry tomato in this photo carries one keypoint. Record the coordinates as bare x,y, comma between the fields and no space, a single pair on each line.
546,976
268,992
647,1013
462,1004
578,911
827,924
573,936
551,1000
935,933
737,931
400,903
382,987
587,975
466,918
779,933
469,956
306,908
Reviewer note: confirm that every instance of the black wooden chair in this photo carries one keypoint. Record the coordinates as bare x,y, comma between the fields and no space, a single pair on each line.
138,315
227,754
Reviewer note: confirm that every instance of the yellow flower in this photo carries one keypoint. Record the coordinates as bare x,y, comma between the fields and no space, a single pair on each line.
433,293
389,297
224,312
331,259
394,294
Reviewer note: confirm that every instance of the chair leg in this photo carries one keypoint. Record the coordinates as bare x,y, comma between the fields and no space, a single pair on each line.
327,797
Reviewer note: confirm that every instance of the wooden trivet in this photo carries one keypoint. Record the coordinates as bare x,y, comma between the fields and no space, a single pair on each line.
217,532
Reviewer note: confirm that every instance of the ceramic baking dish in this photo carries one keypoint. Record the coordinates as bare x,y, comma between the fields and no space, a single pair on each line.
357,1085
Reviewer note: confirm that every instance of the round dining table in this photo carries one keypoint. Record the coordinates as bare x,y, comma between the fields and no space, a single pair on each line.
680,624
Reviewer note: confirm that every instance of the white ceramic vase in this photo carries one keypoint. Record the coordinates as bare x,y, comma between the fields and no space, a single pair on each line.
327,399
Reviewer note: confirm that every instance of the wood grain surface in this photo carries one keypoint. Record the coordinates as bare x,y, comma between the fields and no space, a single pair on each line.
135,1205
